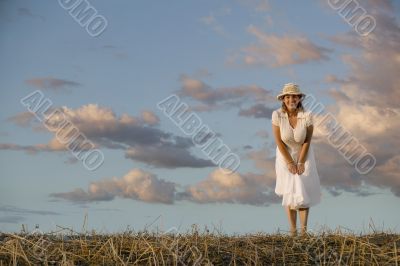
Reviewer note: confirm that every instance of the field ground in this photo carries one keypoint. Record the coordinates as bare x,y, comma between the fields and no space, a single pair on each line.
199,248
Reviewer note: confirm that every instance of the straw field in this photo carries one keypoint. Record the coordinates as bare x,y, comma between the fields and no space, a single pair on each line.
199,248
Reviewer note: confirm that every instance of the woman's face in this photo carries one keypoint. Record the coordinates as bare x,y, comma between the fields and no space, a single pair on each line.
291,101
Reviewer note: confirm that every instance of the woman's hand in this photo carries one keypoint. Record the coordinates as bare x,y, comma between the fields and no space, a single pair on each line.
292,167
300,168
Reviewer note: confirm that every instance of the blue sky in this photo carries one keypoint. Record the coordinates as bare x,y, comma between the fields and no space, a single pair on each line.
227,60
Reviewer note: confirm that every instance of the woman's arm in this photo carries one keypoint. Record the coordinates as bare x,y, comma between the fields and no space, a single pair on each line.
281,145
306,145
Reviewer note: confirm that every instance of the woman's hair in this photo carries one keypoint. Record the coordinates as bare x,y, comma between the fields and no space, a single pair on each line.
299,107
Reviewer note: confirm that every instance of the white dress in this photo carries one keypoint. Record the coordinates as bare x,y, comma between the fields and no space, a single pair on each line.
297,190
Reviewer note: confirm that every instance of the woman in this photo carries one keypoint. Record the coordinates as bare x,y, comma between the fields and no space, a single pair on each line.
297,179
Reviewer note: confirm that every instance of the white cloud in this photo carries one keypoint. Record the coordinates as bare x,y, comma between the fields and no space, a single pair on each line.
232,188
137,136
137,184
367,101
278,51
50,83
224,97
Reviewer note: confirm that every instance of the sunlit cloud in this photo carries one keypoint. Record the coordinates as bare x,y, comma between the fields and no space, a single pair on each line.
137,136
367,103
233,188
137,185
211,99
273,50
257,111
49,83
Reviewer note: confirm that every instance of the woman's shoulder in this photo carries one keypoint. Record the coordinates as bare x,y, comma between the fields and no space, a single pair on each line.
277,112
276,117
308,117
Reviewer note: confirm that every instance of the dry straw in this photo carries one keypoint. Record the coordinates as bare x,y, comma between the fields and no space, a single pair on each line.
66,247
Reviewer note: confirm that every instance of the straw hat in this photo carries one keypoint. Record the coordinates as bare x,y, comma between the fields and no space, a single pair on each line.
292,89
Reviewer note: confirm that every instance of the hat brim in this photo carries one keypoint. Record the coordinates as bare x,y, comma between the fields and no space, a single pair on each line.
280,96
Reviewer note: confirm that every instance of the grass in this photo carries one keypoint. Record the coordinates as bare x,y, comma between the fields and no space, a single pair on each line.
66,247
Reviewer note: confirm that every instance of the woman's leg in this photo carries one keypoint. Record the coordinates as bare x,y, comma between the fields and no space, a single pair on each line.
292,216
303,213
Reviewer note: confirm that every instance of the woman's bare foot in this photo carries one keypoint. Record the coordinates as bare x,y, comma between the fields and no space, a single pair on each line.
293,232
303,232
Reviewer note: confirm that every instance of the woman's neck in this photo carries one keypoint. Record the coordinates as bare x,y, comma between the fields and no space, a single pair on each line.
292,113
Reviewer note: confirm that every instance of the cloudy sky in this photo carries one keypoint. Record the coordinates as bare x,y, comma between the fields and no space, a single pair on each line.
103,74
